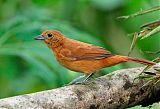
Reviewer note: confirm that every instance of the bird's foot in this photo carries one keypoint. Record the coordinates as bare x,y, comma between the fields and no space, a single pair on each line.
76,83
77,80
80,83
66,84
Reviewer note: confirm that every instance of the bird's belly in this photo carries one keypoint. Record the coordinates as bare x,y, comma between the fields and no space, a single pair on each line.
83,66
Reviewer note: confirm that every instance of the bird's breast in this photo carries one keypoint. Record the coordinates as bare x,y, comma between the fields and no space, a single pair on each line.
83,66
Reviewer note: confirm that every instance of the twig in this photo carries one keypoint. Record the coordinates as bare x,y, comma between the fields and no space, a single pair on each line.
140,13
154,31
151,25
146,31
152,52
133,43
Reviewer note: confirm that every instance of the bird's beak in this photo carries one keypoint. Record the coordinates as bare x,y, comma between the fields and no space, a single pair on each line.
39,37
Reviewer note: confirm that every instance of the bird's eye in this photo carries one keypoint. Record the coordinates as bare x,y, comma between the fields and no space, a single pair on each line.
49,35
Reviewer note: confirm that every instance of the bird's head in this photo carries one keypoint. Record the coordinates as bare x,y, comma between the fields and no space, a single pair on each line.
52,38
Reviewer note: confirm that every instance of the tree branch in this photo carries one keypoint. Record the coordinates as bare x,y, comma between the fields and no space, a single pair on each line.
115,90
157,8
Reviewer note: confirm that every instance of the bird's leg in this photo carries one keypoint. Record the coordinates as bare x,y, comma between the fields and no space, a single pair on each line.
75,81
86,79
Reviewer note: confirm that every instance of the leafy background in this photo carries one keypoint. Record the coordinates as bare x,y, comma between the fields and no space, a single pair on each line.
28,66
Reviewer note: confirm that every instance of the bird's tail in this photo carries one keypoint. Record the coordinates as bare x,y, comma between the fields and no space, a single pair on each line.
116,59
142,61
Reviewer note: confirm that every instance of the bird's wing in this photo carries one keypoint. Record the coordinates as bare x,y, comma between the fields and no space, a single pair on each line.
86,52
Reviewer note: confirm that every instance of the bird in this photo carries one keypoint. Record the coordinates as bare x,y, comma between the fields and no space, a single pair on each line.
82,57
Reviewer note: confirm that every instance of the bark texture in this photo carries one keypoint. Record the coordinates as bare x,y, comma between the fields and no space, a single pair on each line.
113,91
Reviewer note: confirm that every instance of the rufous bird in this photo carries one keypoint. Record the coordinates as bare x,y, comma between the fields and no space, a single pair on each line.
82,57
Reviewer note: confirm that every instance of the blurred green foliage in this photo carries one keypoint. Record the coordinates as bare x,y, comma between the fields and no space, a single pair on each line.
28,66
153,106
